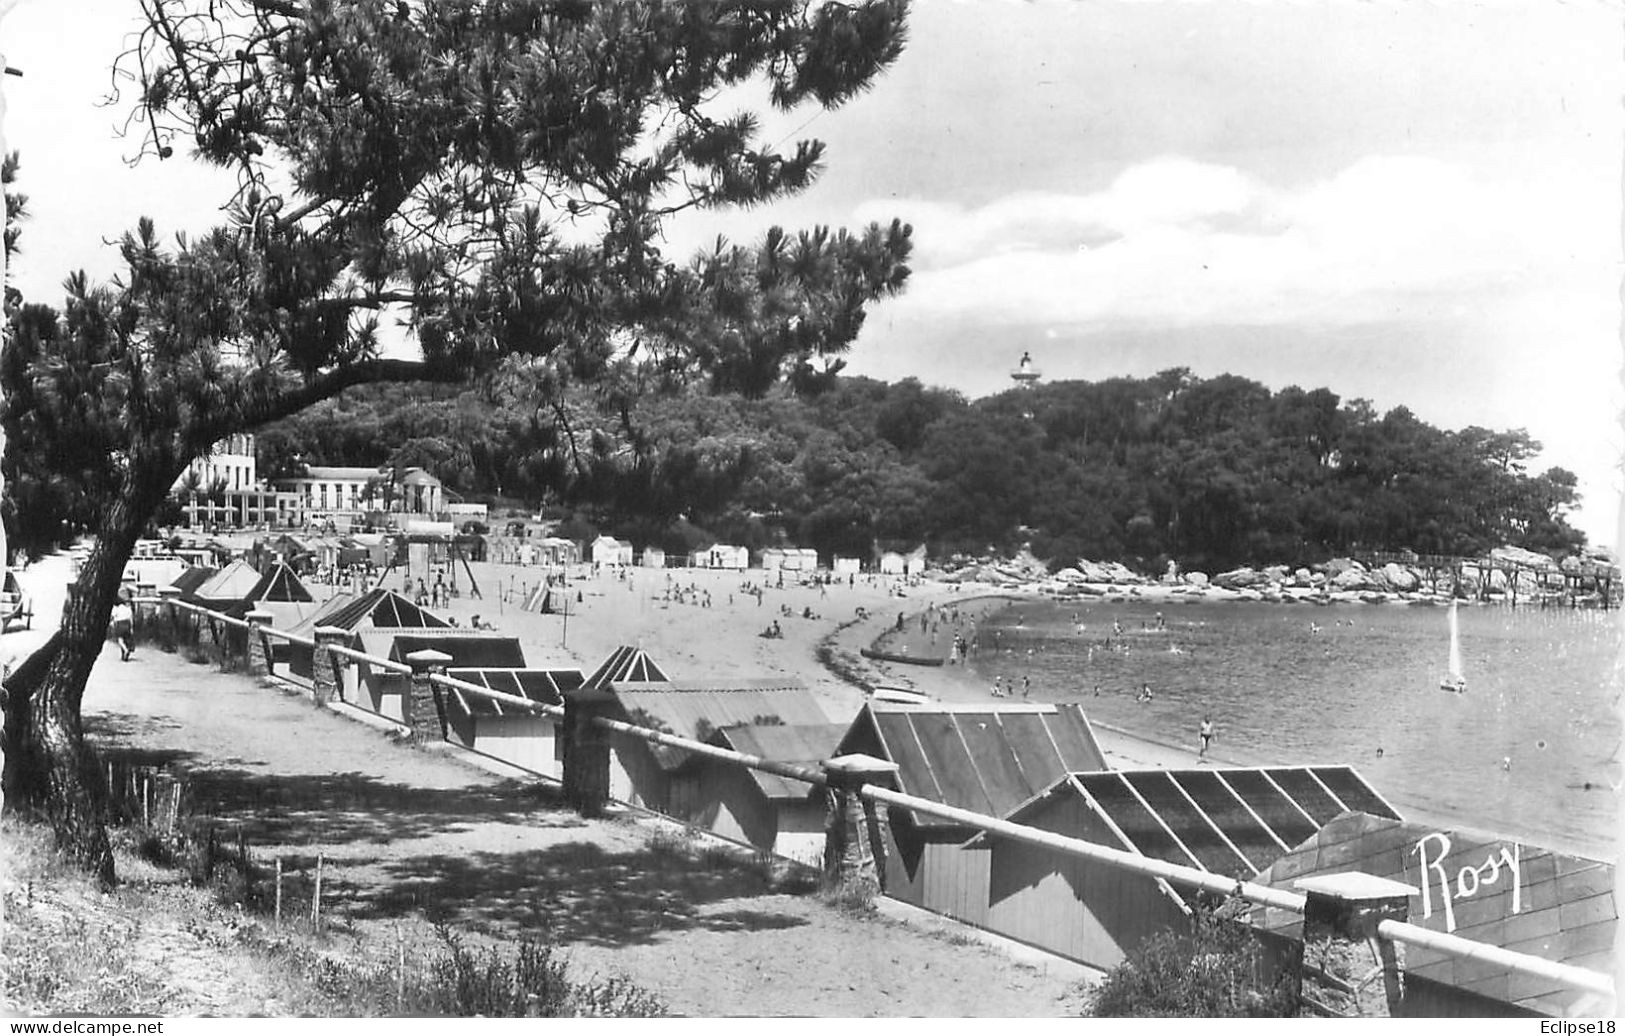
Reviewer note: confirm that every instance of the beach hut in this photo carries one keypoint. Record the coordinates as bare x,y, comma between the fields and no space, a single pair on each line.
914,562
772,558
846,566
607,550
518,736
626,665
226,587
776,814
1230,821
375,609
721,555
643,774
985,758
652,557
1500,891
891,563
385,691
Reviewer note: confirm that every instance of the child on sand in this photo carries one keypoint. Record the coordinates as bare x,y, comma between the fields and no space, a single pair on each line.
1206,733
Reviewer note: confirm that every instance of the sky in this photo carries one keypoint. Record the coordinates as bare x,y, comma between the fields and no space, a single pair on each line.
1414,204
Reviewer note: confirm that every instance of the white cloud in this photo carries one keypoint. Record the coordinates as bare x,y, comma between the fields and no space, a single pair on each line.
1180,242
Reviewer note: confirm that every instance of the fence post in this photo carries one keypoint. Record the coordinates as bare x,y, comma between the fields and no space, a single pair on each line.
326,667
259,645
142,605
855,830
1340,918
425,704
586,750
170,614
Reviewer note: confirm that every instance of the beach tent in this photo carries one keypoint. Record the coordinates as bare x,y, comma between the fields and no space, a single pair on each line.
280,594
776,814
985,758
643,774
227,586
1500,891
192,578
846,566
790,559
1229,821
506,731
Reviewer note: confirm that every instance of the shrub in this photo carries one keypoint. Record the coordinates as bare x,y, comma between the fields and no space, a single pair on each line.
1216,970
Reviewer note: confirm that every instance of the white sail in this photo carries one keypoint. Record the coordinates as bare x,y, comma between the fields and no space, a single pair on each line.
1454,679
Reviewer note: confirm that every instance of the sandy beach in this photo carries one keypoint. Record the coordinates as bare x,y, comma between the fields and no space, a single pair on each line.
644,608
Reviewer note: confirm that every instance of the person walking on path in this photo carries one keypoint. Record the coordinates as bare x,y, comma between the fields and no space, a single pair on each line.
123,628
1206,733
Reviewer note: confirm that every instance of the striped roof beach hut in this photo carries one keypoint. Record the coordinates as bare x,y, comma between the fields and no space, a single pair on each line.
521,737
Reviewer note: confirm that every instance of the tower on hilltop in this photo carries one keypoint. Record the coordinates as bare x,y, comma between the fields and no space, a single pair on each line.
1025,374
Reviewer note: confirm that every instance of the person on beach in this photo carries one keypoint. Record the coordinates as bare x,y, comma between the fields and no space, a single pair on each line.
1206,733
1026,685
1144,695
123,626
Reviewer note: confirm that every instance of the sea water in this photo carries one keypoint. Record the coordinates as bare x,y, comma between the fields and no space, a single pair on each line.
1531,750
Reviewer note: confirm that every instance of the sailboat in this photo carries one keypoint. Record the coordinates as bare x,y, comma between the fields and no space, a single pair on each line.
1453,680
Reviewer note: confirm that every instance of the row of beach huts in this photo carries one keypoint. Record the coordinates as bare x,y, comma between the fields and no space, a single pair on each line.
1035,764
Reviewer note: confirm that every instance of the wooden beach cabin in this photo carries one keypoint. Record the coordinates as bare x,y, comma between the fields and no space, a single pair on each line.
385,691
1230,821
655,776
652,557
780,815
607,550
376,609
721,555
1495,890
502,730
985,758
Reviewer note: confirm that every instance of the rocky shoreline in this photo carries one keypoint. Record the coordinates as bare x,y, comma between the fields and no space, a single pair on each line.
1508,574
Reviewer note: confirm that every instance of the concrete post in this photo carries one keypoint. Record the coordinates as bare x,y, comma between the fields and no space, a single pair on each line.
259,645
854,829
326,667
586,750
1340,937
425,705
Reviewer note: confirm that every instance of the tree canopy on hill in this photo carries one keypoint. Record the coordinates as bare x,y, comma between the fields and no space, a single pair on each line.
1211,472
495,176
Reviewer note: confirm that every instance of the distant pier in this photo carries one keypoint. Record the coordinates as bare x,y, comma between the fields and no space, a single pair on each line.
1574,583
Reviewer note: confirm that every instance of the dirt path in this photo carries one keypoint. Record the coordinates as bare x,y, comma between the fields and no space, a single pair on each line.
410,835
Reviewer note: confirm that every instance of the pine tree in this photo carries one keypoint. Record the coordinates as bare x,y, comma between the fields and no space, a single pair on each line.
495,175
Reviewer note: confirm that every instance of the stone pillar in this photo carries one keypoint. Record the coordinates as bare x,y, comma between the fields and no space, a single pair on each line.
855,830
425,705
259,645
1340,920
586,750
326,667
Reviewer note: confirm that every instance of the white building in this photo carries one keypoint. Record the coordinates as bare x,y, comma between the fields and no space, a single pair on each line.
324,491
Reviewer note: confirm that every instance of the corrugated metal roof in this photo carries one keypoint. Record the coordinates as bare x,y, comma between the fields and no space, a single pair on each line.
467,648
805,744
987,758
699,710
539,685
625,665
1233,821
1563,908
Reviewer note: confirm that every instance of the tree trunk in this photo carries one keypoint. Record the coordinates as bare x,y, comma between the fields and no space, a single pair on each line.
49,769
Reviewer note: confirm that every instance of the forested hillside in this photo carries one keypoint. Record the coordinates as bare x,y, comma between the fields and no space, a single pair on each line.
1211,472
